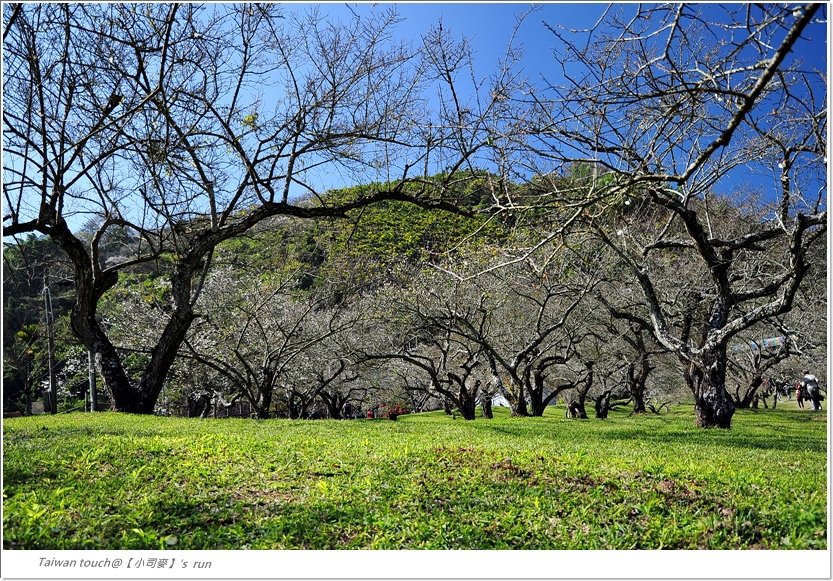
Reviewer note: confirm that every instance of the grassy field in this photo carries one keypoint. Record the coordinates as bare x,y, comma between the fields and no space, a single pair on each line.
425,481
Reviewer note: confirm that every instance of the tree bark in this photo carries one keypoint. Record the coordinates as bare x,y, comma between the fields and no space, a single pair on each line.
446,406
264,402
90,284
27,394
578,407
602,405
293,408
464,398
516,398
637,378
335,403
537,400
520,409
747,400
575,409
487,408
467,405
514,395
536,394
713,405
638,401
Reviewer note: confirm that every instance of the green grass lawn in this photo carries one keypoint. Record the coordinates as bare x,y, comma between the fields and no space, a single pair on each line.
423,482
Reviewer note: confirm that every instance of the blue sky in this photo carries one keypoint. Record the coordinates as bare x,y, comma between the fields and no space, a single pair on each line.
489,26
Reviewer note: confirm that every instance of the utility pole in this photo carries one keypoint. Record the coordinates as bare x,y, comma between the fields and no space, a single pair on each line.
50,341
91,370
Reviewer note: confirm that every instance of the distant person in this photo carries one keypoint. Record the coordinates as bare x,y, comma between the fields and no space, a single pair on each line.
798,395
810,386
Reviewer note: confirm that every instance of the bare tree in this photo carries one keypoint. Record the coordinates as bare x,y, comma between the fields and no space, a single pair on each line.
416,332
308,383
450,365
267,341
670,108
751,359
581,386
186,125
340,396
527,317
510,327
418,394
610,396
629,342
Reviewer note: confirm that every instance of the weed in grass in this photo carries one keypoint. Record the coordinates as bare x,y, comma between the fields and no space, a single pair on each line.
124,482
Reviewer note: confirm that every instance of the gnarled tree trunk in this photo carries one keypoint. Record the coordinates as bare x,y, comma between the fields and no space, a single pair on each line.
90,286
467,404
602,404
713,406
745,400
514,393
637,378
487,408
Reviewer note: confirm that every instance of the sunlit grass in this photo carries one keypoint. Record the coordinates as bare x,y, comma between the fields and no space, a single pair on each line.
425,481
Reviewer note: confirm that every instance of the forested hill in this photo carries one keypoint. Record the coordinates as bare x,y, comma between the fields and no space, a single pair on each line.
367,245
375,237
364,250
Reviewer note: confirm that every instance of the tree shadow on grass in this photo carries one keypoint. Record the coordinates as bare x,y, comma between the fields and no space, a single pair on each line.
319,525
773,442
771,438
